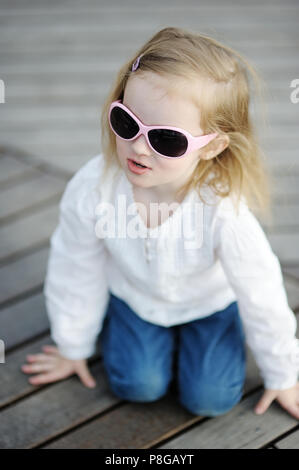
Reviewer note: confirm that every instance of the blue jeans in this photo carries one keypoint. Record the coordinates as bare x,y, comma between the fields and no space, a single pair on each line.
205,358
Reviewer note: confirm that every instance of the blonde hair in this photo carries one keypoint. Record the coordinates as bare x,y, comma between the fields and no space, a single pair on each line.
222,73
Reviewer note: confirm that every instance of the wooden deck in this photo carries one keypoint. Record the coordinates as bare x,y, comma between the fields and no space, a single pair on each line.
57,60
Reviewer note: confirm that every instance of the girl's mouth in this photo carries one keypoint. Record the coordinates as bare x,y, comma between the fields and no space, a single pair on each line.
136,167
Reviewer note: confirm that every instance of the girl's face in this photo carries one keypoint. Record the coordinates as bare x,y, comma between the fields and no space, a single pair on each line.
146,96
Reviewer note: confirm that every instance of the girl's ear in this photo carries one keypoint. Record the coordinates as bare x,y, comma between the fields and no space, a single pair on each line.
215,147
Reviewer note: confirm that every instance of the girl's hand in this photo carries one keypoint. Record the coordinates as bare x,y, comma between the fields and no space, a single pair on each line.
55,367
288,399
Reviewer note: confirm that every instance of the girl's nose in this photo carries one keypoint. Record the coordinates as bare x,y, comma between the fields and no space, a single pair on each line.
140,145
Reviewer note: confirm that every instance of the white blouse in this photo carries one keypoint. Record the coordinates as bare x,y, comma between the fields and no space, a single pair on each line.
195,263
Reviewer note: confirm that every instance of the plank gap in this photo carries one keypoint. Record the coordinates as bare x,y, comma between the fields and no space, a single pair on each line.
198,420
80,425
34,162
55,199
18,255
283,229
14,180
26,342
282,436
24,295
35,389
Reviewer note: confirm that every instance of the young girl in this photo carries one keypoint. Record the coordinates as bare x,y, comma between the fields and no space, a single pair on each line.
157,248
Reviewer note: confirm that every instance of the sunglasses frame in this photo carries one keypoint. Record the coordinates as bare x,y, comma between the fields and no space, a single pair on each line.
193,143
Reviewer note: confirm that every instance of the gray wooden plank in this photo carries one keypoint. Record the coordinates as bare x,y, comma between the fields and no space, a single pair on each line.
285,218
132,426
241,428
85,437
28,194
66,158
23,321
159,420
285,246
15,387
23,275
28,232
10,169
59,114
286,187
55,137
58,407
30,316
53,410
30,14
14,382
92,7
284,161
292,291
91,4
292,270
289,442
153,420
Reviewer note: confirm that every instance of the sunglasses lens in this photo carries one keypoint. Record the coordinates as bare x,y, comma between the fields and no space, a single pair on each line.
122,123
167,142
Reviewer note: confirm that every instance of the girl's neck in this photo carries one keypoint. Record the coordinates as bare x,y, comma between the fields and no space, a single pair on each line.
158,194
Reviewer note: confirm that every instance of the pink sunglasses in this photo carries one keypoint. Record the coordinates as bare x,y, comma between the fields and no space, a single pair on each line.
169,142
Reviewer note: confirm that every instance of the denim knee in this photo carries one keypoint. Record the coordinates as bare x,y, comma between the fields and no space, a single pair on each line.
149,387
211,401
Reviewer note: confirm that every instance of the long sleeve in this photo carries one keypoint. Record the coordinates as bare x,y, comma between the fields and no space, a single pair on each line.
75,289
254,272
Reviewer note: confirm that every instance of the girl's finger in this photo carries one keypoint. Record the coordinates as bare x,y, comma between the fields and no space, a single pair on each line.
86,377
265,401
293,410
40,367
38,357
50,349
45,378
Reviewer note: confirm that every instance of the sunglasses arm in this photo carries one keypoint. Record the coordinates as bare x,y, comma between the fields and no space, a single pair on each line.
201,141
